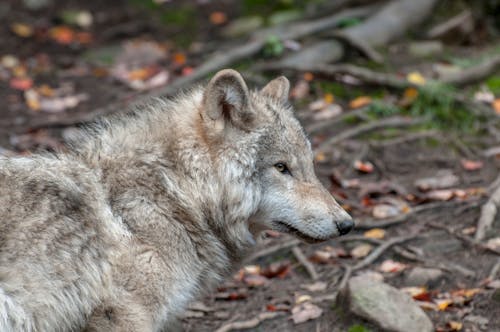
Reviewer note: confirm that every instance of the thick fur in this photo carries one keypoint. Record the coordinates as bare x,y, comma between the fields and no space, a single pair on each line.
150,209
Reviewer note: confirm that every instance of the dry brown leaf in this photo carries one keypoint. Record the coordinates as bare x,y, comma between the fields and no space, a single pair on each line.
360,102
382,211
365,167
390,266
22,30
454,326
496,105
218,18
361,250
471,165
253,280
375,233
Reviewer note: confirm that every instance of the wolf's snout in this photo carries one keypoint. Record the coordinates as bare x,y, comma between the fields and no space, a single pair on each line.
345,226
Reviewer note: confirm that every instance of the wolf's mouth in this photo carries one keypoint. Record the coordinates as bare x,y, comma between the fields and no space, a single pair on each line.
294,231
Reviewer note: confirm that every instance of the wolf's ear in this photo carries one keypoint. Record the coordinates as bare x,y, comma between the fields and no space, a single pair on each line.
226,99
278,89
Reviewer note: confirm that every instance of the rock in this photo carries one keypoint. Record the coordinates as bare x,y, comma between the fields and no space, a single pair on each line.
385,306
420,276
480,321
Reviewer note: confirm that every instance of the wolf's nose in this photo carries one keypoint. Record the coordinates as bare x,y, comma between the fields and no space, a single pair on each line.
345,226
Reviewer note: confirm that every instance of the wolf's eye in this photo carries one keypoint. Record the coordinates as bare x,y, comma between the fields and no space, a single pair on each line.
282,168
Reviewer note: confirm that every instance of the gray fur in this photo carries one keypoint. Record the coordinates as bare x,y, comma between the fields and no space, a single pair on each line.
153,208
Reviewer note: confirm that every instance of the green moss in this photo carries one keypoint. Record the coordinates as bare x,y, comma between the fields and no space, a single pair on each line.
493,83
358,328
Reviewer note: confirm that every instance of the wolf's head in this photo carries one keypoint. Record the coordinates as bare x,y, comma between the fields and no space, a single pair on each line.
270,142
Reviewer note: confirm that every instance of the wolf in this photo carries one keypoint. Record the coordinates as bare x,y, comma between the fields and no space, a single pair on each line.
148,210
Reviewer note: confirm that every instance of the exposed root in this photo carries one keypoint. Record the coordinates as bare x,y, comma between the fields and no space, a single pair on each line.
299,255
488,213
247,324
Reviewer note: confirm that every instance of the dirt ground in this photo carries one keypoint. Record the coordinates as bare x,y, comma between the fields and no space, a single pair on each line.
438,225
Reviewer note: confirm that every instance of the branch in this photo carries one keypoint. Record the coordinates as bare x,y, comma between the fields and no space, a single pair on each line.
367,127
375,254
305,263
488,213
247,324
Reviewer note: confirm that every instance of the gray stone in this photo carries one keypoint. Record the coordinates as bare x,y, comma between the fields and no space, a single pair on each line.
385,306
420,276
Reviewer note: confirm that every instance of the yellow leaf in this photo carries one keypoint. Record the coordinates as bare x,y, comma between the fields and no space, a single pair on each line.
360,102
375,233
320,157
22,30
455,326
416,78
443,304
496,105
328,98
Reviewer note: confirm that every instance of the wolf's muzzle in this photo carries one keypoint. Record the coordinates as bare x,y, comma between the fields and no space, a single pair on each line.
345,226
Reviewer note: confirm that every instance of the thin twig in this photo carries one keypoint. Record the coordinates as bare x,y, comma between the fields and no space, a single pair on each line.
272,249
467,240
299,255
375,254
247,324
368,224
391,122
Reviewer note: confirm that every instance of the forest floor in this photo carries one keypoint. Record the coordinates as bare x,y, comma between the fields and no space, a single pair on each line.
415,181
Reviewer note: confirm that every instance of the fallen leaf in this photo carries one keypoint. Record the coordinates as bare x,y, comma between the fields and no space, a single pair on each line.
253,280
315,287
442,179
186,71
484,96
252,269
415,78
383,211
454,326
365,167
360,102
278,269
471,165
305,311
375,233
308,76
300,90
493,243
496,105
414,291
390,266
59,104
218,18
361,250
21,83
443,304
179,58
231,296
328,112
303,298
328,98
440,195
409,95
493,284
9,61
22,29
32,99
62,34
